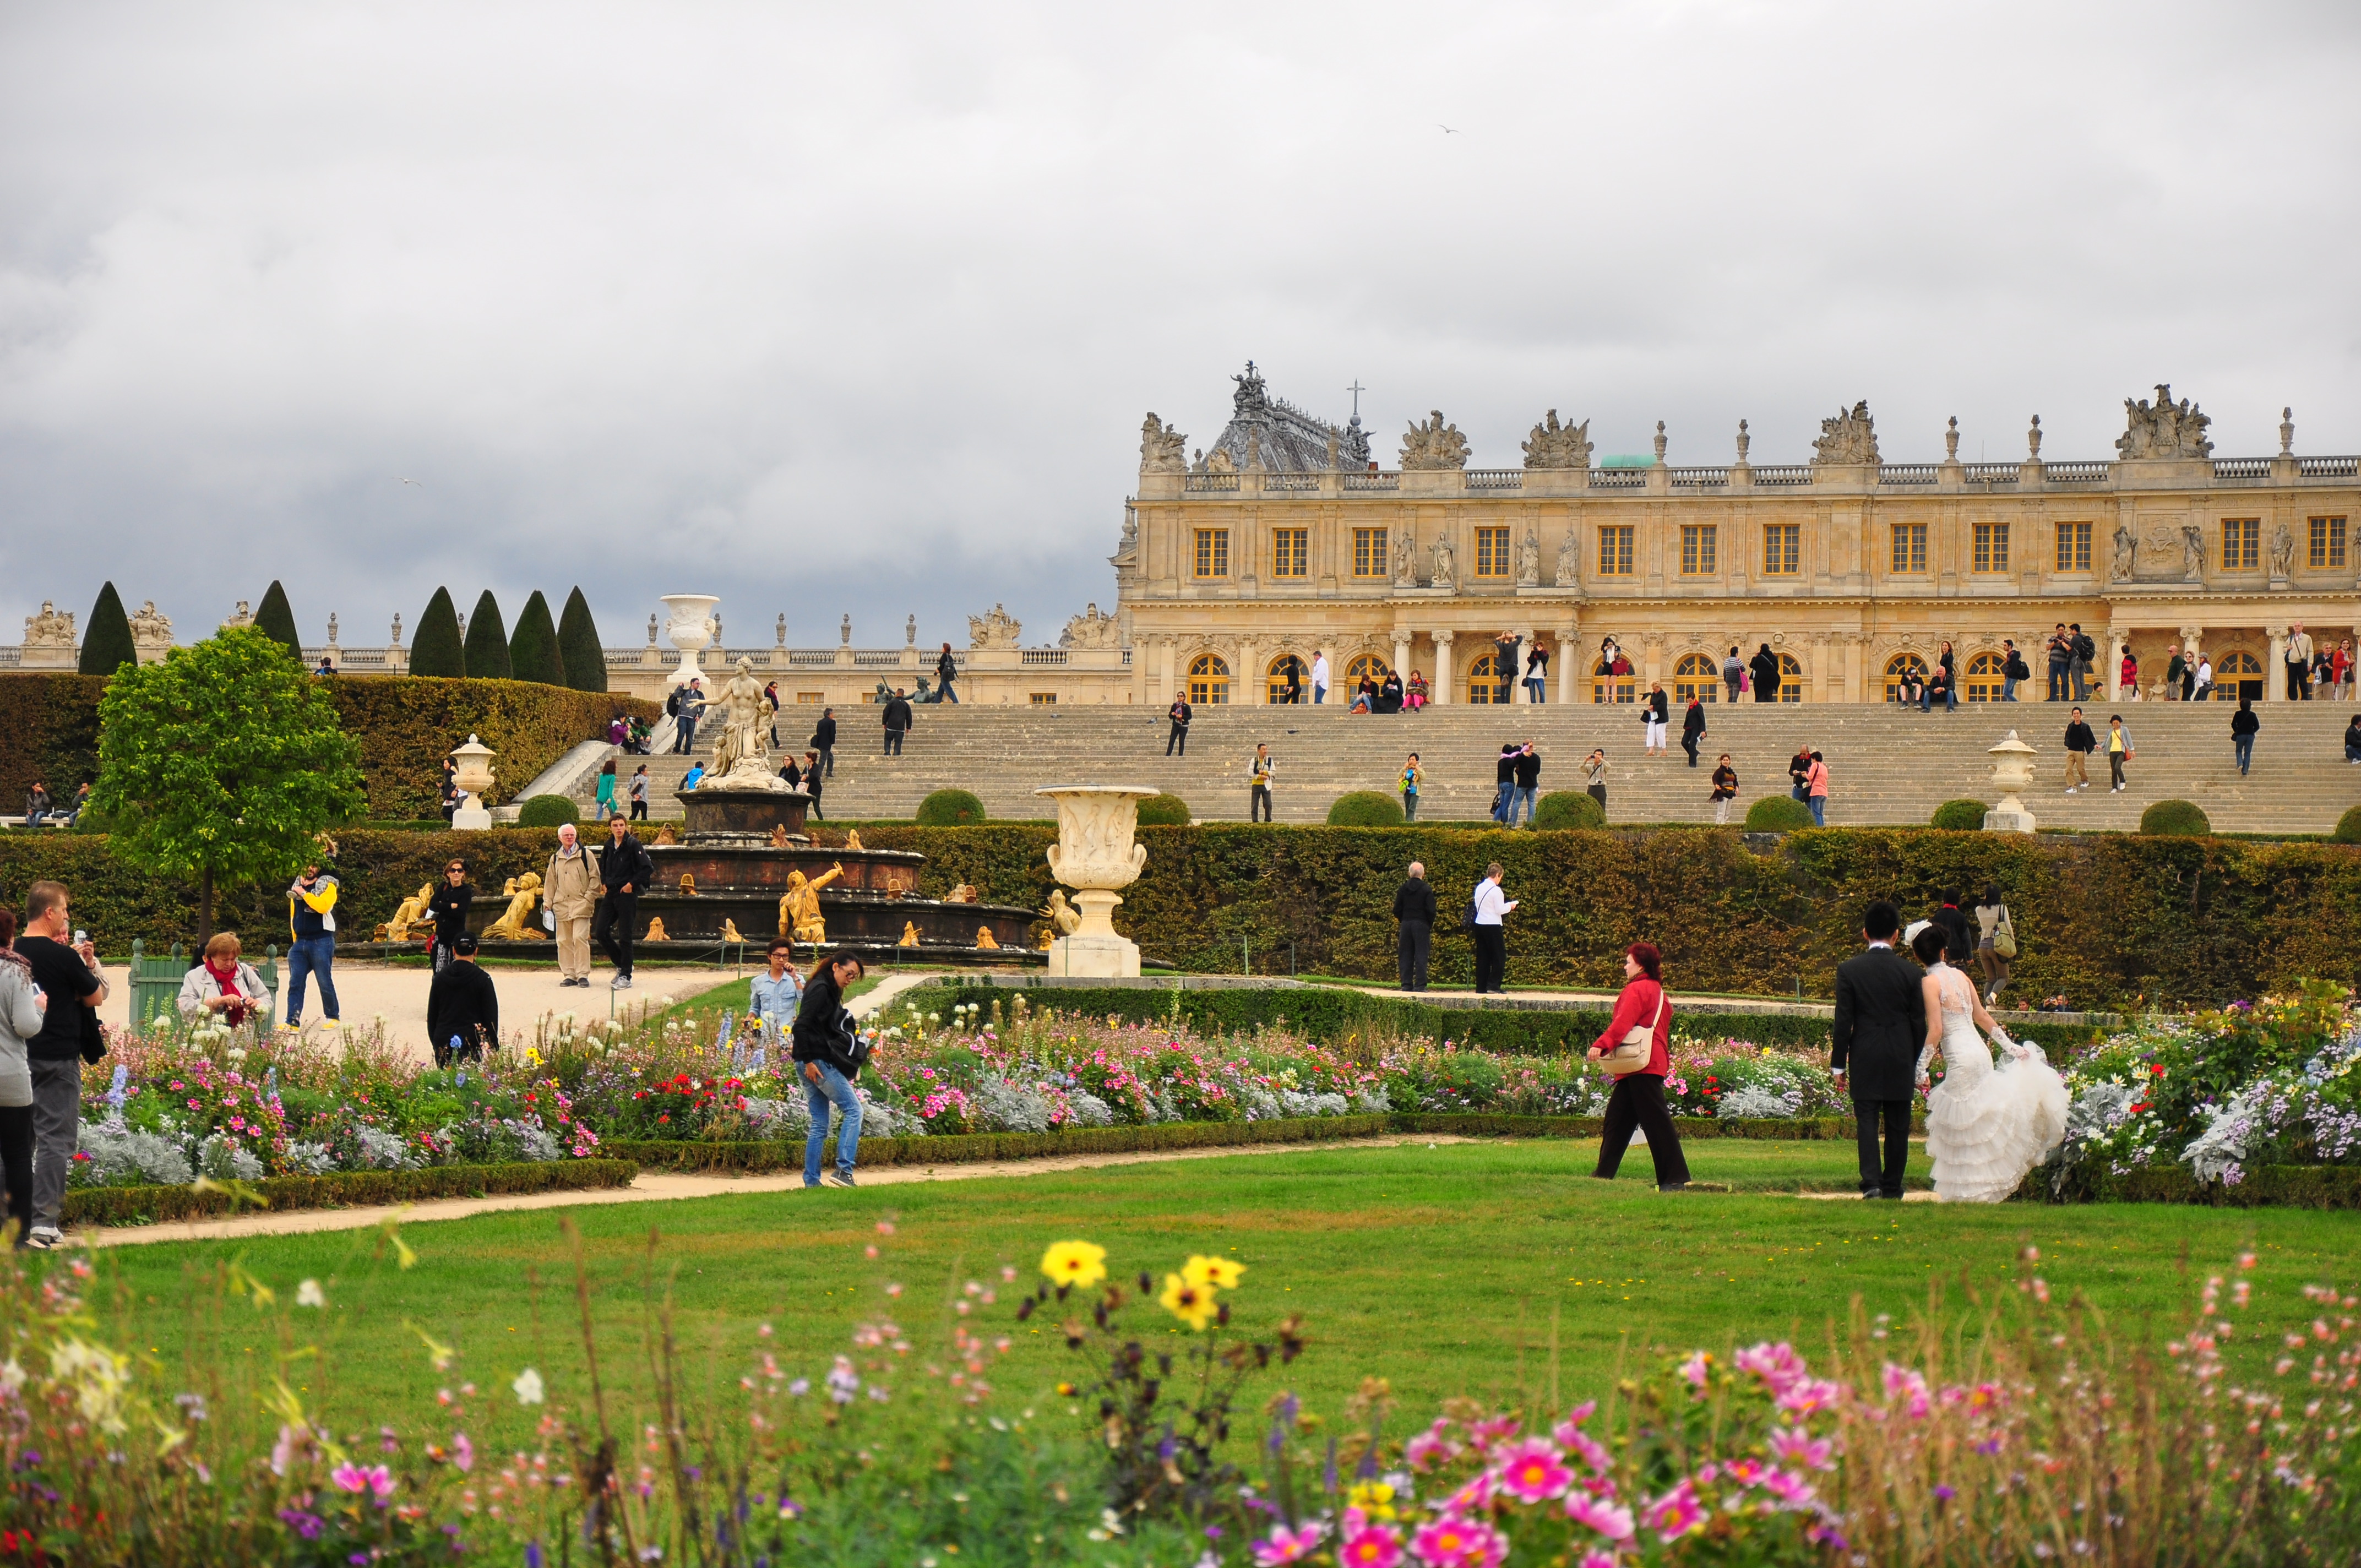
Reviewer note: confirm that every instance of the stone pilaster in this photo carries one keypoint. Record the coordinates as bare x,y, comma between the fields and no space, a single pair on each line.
1444,677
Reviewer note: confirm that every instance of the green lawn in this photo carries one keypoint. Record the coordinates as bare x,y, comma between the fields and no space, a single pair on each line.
1437,1268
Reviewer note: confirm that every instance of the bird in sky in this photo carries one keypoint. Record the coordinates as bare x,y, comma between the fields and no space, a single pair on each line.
399,479
1447,130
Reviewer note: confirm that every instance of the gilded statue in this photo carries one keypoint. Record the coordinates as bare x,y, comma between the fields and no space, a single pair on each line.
665,835
729,932
852,837
778,835
656,932
412,912
984,938
517,926
799,914
909,934
1063,917
689,884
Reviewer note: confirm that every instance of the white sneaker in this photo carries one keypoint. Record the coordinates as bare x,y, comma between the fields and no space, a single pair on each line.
43,1237
621,982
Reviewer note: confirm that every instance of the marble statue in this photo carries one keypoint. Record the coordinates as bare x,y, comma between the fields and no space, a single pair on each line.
1219,461
1528,561
1090,630
1433,442
151,632
1405,560
2126,551
984,938
243,616
844,630
910,929
1444,574
962,894
656,933
518,923
2192,553
50,628
1570,560
1555,445
411,912
799,912
909,632
997,629
1162,448
2164,429
742,757
1064,919
2282,553
1851,438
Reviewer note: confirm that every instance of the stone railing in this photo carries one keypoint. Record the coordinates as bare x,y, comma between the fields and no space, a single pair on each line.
1990,474
2241,470
1496,479
1909,473
1697,479
1781,474
2102,474
1208,484
2077,473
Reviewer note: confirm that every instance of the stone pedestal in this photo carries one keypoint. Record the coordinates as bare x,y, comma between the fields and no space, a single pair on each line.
1097,949
471,814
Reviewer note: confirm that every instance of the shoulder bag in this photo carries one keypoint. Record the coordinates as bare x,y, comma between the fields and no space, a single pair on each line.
1638,1043
2004,935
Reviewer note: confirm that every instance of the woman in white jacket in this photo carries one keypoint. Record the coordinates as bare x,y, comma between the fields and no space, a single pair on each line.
222,985
21,1007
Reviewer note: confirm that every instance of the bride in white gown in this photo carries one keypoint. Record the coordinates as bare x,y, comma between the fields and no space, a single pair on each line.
1986,1126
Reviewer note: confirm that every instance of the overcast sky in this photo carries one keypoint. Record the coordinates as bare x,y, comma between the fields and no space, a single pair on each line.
828,309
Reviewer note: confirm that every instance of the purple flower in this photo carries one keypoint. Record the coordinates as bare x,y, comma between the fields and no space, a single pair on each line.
1944,1494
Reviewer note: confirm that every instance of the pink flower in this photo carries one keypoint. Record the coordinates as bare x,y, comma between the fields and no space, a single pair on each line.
1797,1446
1432,1447
1901,1382
1370,1546
1532,1471
1284,1545
1811,1394
1474,1497
1483,1435
351,1477
1610,1520
1597,1559
1675,1513
1789,1488
1453,1542
463,1453
1776,1364
1694,1370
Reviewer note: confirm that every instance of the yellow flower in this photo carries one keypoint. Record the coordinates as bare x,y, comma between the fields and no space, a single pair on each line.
1191,1303
1214,1273
1374,1499
1074,1263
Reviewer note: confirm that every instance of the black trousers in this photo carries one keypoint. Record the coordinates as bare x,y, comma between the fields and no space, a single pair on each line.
1884,1181
16,1164
1416,937
1639,1101
612,928
639,811
1491,956
892,742
1689,745
1178,740
1259,804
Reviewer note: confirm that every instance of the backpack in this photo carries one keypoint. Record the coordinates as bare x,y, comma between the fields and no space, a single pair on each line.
2084,648
1468,922
2017,669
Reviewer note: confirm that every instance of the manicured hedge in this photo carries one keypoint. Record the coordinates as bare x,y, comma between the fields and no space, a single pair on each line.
2266,1186
978,1148
1365,809
346,1189
2180,818
50,722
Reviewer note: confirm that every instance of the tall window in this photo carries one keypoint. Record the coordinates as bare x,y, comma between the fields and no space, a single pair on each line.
1987,678
1783,549
1909,547
1697,678
1615,550
1991,547
2073,547
2327,542
1212,553
1491,552
1290,549
1209,680
2242,543
1367,667
1901,667
1700,548
1484,680
1369,552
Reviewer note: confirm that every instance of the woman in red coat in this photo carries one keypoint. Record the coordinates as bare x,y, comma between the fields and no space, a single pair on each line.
1638,1097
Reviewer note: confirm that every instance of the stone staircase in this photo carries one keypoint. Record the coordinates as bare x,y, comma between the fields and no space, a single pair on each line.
1887,766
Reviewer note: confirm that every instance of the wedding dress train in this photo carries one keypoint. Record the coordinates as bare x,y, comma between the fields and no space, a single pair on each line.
1986,1126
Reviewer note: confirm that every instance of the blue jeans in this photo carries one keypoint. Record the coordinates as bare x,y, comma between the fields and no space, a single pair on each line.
1820,811
948,696
2008,688
1520,794
1535,689
1319,696
831,1090
1501,796
2244,746
312,956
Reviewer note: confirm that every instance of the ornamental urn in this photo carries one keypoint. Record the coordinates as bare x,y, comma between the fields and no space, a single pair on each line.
1094,855
2012,771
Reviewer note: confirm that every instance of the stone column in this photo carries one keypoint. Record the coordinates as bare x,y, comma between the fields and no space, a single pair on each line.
1517,693
1401,654
1249,670
2274,667
1566,663
1443,676
2116,638
1168,656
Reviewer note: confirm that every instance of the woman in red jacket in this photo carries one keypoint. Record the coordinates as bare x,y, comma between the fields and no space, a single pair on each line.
1638,1097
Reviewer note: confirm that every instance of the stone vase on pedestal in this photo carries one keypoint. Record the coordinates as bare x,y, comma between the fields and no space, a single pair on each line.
474,776
1094,855
2012,771
691,631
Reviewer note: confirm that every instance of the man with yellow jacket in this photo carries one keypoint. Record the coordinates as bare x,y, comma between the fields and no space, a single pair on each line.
311,945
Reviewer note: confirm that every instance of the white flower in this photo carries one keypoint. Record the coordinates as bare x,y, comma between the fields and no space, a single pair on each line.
527,1387
309,1294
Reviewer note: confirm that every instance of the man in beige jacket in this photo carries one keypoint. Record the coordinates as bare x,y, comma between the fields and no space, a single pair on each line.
569,889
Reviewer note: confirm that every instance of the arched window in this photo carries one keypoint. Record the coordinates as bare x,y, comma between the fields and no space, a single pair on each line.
1985,678
1483,682
2237,674
1697,678
1898,666
1605,688
1368,665
1209,680
1791,679
1274,679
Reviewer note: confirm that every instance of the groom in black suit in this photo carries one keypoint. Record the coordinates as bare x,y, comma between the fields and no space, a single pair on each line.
1880,1024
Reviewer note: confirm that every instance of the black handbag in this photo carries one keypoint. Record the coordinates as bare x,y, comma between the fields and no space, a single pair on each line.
94,1038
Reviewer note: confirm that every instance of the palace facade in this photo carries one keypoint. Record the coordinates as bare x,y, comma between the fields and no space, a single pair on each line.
1283,539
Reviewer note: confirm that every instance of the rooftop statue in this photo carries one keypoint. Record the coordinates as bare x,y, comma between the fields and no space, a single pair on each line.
52,628
1851,438
1092,630
997,629
1433,442
1162,449
149,629
1555,445
2164,429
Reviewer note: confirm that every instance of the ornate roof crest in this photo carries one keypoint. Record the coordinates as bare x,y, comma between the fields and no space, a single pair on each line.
1851,438
2165,428
1433,442
1555,445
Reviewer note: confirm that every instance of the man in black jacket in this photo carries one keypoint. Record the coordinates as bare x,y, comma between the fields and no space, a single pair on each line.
463,1009
1880,1024
1180,715
1415,912
2079,744
624,871
897,721
823,740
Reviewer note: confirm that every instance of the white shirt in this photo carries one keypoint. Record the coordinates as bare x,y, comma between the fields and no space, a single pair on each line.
1490,903
2204,672
1320,671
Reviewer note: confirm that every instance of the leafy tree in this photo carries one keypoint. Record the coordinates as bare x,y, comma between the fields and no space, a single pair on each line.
577,644
277,621
488,641
532,653
434,647
222,763
106,644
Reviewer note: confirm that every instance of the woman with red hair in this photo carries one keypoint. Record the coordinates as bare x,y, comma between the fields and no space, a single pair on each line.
1638,1098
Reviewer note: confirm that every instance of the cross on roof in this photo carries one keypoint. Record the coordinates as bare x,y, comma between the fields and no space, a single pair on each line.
1357,390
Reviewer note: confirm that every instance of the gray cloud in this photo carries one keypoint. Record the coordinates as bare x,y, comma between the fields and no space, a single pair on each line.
828,312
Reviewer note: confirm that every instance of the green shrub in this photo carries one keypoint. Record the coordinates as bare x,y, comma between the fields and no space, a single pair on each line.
532,651
2349,827
1365,809
1164,811
1569,808
577,643
2176,819
434,647
1959,815
950,808
488,642
548,811
51,724
276,620
106,643
1780,814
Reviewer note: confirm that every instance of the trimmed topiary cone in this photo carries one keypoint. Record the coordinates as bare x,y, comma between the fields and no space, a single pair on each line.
532,652
277,620
434,649
106,644
577,645
488,641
